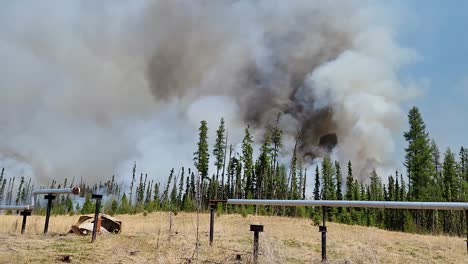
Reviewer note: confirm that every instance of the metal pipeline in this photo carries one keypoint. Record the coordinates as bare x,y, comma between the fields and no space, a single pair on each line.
361,204
74,190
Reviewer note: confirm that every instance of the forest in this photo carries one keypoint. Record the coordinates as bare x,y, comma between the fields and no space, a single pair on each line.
429,176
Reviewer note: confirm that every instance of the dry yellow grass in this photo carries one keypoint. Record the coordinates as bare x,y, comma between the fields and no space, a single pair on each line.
285,240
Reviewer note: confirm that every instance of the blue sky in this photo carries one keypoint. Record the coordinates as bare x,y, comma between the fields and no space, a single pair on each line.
437,31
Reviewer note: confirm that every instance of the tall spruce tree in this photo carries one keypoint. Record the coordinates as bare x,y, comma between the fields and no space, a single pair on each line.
317,184
263,170
202,157
450,177
131,185
247,160
339,180
219,148
276,139
349,183
418,159
328,184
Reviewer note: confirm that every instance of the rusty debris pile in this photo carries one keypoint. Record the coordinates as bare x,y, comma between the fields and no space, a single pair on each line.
105,225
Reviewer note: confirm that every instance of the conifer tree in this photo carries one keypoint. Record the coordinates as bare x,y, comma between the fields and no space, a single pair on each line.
192,184
174,201
156,200
230,178
219,147
317,184
450,174
125,206
263,170
140,190
20,188
338,179
165,197
201,156
87,206
349,183
247,161
328,185
181,188
418,159
293,176
2,184
131,185
304,184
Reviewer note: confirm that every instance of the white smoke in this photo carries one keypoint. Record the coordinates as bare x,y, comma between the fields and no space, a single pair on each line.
89,87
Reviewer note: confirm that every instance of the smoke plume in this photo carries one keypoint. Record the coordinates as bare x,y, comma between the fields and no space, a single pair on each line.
89,87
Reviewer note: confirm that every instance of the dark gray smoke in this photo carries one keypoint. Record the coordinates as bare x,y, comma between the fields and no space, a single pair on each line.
100,84
261,61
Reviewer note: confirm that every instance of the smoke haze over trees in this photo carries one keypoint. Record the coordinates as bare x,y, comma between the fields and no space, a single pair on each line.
261,176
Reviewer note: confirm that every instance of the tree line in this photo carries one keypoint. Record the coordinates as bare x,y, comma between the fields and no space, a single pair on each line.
429,176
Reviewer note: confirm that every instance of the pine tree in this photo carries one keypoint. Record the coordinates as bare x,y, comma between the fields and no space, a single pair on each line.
165,197
2,184
230,178
328,185
219,147
304,184
349,183
436,157
131,185
338,179
450,174
293,189
201,156
156,200
418,159
247,161
276,138
192,184
125,206
88,207
263,170
174,201
317,184
181,188
376,190
140,190
20,188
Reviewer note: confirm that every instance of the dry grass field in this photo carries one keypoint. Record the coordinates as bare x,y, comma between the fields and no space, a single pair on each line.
146,239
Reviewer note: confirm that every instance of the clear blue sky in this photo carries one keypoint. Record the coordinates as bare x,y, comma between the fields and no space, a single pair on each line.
438,31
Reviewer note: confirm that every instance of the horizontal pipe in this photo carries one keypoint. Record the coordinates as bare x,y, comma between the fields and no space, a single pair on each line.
15,207
360,204
74,190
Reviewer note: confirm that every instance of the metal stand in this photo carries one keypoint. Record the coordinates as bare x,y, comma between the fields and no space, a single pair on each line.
323,230
98,198
256,229
49,197
25,214
212,215
466,219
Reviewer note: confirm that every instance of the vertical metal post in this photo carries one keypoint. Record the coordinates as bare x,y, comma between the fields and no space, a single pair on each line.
466,220
49,197
323,230
98,198
256,229
255,247
212,215
25,214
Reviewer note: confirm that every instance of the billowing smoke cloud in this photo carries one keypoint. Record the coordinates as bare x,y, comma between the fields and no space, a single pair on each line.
88,87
